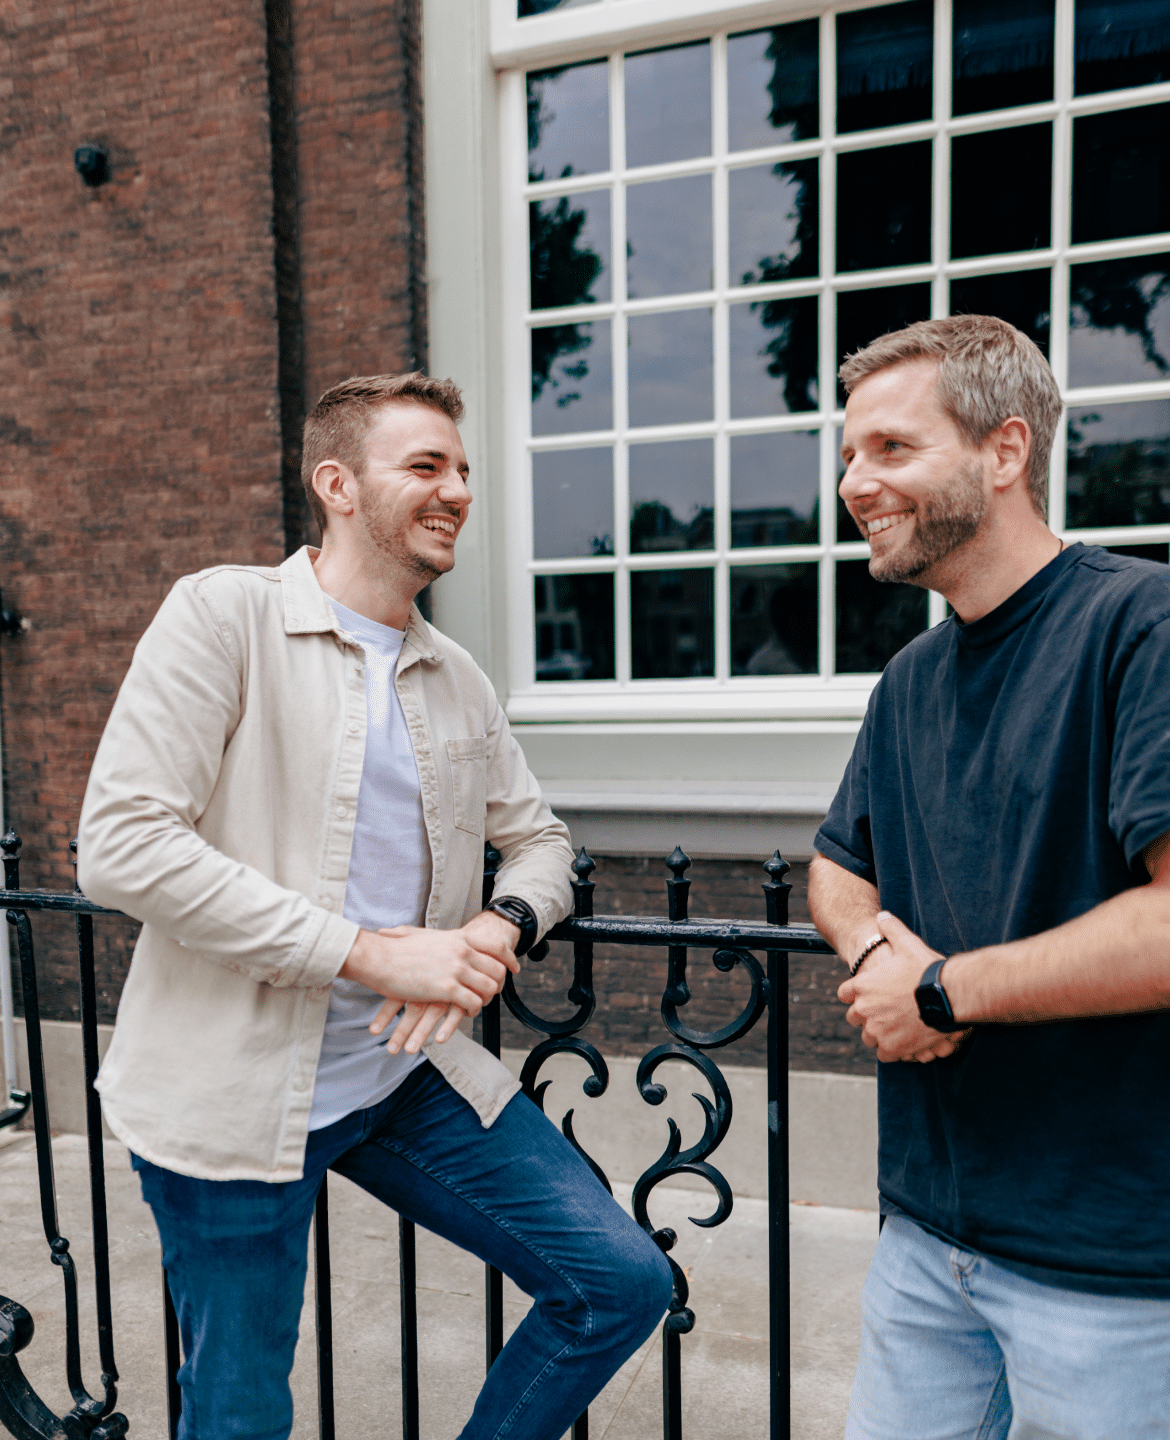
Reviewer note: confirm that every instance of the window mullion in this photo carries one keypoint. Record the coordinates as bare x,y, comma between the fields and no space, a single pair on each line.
941,167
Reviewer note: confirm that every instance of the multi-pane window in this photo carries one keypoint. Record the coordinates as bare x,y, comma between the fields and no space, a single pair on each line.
713,224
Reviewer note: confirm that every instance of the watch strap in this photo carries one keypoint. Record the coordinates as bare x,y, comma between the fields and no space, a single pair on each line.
520,913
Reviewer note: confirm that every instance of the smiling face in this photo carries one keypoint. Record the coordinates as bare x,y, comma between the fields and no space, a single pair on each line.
915,486
411,498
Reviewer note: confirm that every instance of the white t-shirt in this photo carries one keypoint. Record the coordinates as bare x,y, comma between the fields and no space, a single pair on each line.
389,880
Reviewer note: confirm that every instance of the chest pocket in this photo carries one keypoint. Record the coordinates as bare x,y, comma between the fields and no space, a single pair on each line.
468,761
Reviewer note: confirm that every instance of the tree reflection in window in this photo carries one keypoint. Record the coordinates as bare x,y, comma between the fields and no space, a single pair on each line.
792,350
1119,465
563,272
1130,296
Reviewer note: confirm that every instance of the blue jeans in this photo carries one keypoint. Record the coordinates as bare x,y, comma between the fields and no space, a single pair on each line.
956,1347
517,1195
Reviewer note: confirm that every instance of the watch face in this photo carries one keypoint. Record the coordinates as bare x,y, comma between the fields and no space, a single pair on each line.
934,1010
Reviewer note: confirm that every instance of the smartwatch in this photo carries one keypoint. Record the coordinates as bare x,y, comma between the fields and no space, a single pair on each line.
521,914
933,1005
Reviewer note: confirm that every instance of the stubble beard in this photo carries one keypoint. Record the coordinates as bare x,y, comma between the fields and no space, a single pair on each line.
387,536
941,525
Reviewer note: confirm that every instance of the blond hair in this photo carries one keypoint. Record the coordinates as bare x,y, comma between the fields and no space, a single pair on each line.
988,371
338,424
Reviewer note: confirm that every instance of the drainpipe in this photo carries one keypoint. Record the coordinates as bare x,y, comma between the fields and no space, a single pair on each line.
15,1102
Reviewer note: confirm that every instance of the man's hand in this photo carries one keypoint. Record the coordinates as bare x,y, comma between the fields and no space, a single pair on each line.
435,977
881,998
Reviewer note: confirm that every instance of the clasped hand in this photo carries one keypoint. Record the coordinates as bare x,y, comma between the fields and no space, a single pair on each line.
434,977
881,998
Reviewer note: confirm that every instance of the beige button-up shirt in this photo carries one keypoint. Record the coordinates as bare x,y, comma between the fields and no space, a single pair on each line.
220,812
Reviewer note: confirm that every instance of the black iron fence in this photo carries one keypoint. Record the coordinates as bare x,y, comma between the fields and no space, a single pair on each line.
731,944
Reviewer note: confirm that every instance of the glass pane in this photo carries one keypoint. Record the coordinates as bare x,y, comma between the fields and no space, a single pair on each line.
542,7
568,245
1119,465
668,104
572,378
774,620
884,65
773,93
568,120
773,357
671,368
672,496
668,236
574,627
671,623
1121,174
846,526
775,488
889,188
1023,299
863,315
1121,45
772,219
1157,553
572,503
1002,54
1119,322
1021,217
874,620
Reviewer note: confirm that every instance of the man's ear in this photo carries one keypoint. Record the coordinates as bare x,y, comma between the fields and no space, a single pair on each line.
334,484
1010,444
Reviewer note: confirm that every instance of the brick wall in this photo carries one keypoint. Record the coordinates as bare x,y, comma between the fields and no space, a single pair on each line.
138,434
629,980
144,369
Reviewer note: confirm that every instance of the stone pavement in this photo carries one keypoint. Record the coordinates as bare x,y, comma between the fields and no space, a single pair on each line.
725,1385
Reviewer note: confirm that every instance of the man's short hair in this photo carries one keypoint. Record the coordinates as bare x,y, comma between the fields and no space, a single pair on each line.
338,424
987,372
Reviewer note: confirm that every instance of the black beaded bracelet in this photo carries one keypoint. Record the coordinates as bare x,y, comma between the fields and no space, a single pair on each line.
521,914
866,953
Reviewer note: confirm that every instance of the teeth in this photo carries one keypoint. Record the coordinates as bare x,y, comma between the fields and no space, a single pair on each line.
884,522
443,527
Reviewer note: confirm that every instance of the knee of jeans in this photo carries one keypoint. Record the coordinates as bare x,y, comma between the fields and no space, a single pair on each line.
643,1286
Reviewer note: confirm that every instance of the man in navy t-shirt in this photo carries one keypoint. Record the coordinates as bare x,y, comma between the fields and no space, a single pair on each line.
995,869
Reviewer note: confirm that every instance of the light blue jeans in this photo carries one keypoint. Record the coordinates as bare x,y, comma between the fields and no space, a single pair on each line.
517,1195
956,1347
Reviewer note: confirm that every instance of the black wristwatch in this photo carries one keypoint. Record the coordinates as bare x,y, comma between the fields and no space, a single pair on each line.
511,907
933,1005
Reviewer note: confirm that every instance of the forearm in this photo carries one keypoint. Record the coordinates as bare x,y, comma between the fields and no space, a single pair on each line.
1113,960
843,906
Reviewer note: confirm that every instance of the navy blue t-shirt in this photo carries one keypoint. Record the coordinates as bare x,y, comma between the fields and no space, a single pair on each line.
1006,778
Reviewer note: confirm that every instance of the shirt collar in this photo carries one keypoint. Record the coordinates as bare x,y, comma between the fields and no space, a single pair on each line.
307,610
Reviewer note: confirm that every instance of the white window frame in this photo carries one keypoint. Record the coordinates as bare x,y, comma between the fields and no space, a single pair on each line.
611,27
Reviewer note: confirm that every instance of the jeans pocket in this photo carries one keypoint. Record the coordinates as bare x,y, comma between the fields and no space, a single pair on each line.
468,762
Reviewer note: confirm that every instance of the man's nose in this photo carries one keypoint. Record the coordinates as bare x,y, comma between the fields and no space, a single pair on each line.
856,483
453,488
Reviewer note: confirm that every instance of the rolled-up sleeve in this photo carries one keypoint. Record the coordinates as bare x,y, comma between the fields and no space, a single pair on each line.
534,844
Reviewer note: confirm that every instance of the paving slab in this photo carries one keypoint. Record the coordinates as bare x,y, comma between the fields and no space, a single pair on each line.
724,1359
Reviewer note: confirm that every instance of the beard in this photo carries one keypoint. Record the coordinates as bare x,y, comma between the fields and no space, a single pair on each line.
389,534
941,525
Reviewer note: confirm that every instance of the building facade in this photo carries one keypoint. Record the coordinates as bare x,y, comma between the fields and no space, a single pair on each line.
640,234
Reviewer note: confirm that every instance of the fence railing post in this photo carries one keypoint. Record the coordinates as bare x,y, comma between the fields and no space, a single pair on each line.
776,892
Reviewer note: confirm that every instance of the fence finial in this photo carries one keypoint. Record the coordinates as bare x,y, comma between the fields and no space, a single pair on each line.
583,887
677,889
776,889
11,846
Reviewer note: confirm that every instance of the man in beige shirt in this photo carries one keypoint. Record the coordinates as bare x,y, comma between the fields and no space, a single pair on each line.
292,794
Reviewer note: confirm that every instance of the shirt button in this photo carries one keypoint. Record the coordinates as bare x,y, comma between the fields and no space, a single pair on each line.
342,811
354,728
300,1082
325,902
